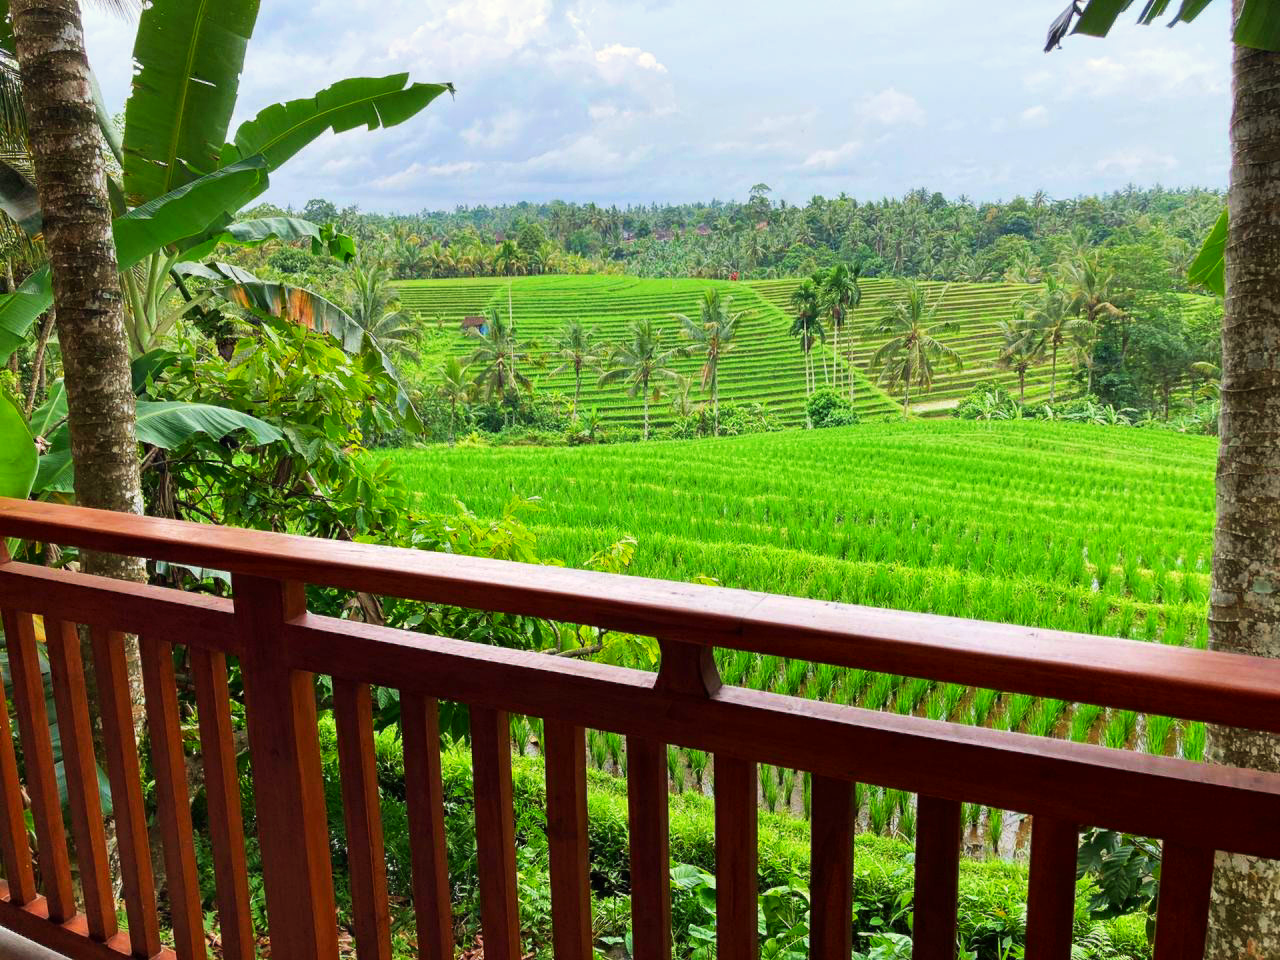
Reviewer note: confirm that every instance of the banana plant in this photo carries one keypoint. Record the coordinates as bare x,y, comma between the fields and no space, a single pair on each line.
18,459
185,176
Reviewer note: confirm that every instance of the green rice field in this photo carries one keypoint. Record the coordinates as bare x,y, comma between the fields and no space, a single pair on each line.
766,365
1067,526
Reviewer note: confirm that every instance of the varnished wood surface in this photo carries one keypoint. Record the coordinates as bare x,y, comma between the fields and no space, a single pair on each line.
1012,771
1188,684
37,755
124,773
222,791
938,841
71,939
66,670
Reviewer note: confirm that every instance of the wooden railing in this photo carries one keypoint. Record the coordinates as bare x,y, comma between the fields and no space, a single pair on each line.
1194,809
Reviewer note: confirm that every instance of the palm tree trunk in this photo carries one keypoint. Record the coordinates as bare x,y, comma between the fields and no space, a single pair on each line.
715,397
835,353
1022,386
906,396
38,361
1244,609
68,158
1053,375
577,388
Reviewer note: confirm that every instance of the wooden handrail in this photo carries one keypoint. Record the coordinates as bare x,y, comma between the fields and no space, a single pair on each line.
1224,688
281,647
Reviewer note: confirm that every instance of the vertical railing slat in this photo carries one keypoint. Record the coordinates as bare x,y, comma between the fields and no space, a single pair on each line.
424,791
650,860
130,817
1182,921
71,701
565,749
222,790
495,833
173,797
939,835
284,747
1051,892
831,869
366,856
37,754
15,851
736,853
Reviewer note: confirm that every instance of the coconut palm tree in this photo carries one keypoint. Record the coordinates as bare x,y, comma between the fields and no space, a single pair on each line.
577,348
642,361
807,326
497,360
507,258
913,350
374,306
1022,349
841,295
711,337
1049,312
454,389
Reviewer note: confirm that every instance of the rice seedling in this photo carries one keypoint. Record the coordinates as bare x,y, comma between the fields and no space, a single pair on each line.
1155,738
806,795
1193,742
787,788
879,813
769,788
1083,721
519,733
697,760
972,815
980,710
907,822
598,748
617,752
995,826
675,772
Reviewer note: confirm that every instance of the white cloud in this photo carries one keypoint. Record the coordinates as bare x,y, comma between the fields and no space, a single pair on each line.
892,108
416,173
1036,116
1133,162
617,63
1149,74
498,132
833,159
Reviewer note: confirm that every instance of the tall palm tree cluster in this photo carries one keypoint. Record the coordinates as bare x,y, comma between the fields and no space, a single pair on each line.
1062,317
644,360
827,297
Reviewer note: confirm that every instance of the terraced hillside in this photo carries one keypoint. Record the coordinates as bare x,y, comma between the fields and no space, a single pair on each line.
976,308
765,365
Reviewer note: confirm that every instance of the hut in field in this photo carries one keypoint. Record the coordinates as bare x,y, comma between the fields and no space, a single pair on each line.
475,326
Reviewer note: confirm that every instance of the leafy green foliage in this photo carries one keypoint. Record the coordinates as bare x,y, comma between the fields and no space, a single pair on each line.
17,451
827,408
1126,873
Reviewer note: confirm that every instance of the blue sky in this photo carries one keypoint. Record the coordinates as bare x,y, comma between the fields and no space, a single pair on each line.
625,101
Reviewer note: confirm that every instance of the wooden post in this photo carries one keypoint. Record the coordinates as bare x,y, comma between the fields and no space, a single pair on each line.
565,749
650,860
831,870
939,836
293,829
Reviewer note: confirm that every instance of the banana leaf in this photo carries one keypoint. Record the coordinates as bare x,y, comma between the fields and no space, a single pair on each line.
282,129
189,55
1209,267
164,424
18,458
252,233
1257,26
185,212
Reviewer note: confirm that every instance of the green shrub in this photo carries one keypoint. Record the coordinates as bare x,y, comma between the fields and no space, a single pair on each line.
829,408
985,397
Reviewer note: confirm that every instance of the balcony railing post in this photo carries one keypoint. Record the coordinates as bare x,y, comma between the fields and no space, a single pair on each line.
284,748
